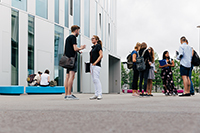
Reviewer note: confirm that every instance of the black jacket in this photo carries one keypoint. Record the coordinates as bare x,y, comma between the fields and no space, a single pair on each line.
147,57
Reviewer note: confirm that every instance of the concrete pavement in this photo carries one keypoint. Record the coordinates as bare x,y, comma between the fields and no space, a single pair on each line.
115,113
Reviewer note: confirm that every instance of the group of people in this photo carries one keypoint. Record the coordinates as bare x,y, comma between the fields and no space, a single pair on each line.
41,79
96,54
147,76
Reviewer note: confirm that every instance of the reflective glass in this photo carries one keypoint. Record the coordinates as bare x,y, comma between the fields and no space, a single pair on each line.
87,18
57,11
42,8
21,4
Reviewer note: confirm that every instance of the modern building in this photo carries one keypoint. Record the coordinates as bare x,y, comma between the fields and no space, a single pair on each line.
33,32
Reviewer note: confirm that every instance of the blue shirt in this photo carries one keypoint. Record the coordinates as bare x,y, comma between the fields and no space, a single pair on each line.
185,55
134,52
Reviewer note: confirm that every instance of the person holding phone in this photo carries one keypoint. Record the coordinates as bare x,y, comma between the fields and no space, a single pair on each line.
167,75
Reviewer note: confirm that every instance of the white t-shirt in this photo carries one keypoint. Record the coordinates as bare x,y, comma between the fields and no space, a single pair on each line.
44,79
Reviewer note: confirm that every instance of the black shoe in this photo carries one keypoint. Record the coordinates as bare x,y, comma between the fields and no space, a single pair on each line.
151,95
192,94
141,95
185,95
145,95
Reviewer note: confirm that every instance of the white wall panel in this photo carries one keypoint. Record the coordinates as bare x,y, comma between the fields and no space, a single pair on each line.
31,7
44,44
61,12
7,2
23,48
5,45
51,10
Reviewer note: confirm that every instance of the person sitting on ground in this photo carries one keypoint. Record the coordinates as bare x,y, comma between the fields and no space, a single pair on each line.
45,79
36,80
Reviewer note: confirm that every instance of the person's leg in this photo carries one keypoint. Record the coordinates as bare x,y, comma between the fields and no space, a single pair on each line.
186,84
66,84
93,78
70,82
146,74
190,76
141,81
150,86
189,84
135,81
97,82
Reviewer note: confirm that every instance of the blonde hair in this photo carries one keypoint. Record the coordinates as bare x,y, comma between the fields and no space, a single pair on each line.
137,46
98,40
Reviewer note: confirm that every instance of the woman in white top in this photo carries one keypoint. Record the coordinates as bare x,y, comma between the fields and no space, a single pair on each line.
45,79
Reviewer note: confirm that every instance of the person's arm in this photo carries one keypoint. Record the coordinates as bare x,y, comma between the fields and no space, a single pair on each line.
167,65
77,49
180,53
99,58
172,65
134,57
48,78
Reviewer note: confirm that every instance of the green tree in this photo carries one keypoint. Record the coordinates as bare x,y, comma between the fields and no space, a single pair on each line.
130,78
124,75
158,81
195,78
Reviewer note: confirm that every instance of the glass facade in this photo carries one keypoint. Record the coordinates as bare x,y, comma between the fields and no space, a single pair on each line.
77,12
58,53
21,4
56,11
42,8
66,13
87,18
14,47
30,44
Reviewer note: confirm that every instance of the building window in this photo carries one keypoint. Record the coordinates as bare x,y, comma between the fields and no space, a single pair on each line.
71,7
14,47
87,18
66,13
42,8
30,44
77,12
100,20
57,11
109,29
21,4
58,53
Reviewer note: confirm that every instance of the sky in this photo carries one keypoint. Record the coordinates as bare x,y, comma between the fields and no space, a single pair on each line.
159,23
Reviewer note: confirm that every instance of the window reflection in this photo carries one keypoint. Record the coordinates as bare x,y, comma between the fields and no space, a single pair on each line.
58,53
14,47
30,44
42,8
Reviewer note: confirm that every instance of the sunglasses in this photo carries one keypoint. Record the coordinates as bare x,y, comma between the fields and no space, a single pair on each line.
149,49
92,38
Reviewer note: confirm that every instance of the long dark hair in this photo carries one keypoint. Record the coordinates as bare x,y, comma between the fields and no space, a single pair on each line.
152,54
98,40
164,57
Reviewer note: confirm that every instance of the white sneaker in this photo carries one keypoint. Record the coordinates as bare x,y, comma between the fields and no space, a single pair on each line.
93,97
99,97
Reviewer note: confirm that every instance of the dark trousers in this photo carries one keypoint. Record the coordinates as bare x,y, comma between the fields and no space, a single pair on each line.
144,76
135,78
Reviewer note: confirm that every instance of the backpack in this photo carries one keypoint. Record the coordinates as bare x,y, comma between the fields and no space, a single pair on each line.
129,62
195,59
30,78
140,62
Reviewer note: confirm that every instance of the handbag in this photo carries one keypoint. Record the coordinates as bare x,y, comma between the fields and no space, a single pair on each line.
67,62
87,67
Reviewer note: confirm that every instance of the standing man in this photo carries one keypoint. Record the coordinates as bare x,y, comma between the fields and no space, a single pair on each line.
185,57
190,75
71,50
